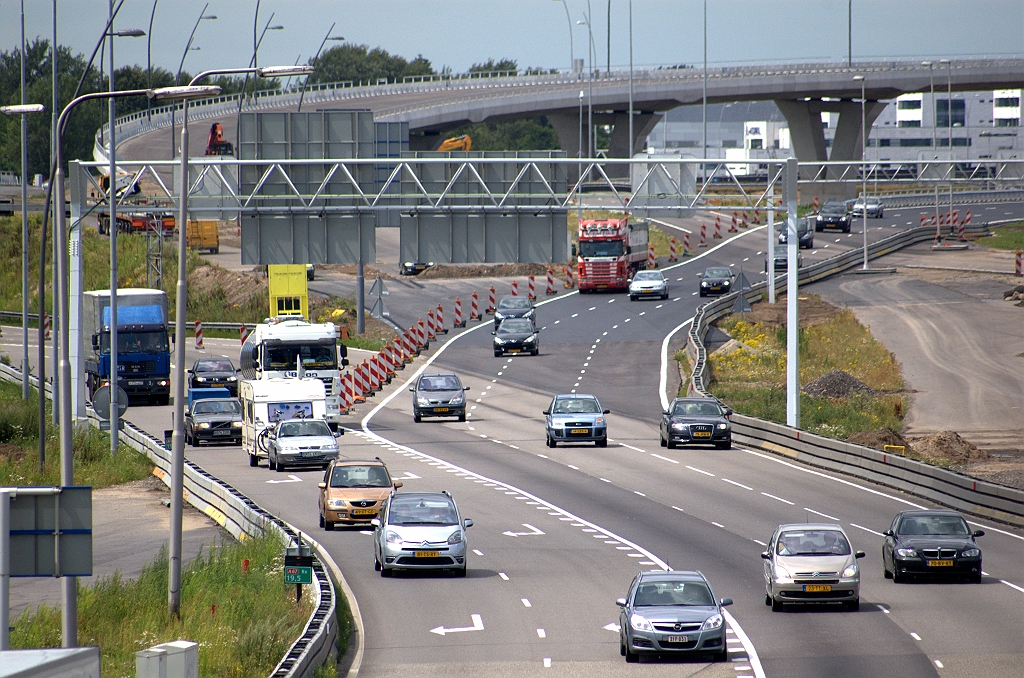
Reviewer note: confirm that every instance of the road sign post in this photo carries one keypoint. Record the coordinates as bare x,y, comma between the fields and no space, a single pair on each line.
298,567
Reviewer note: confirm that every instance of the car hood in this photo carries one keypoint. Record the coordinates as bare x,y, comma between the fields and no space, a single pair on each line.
213,375
415,535
216,416
717,281
647,283
439,395
377,494
676,613
936,541
515,336
697,419
821,564
583,416
307,441
513,312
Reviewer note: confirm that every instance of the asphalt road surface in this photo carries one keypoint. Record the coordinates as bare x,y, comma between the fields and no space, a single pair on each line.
560,532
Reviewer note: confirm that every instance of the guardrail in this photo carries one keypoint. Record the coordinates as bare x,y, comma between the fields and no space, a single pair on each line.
936,484
240,516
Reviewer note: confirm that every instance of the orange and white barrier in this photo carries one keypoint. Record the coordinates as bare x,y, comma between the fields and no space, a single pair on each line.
199,334
732,227
551,283
718,229
815,203
515,288
243,333
440,320
458,314
967,218
652,261
490,299
924,220
704,233
474,306
1019,267
686,245
431,326
531,288
46,327
407,348
743,221
757,216
569,281
672,249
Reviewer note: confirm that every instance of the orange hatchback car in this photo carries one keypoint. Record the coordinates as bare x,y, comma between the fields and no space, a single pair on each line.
352,492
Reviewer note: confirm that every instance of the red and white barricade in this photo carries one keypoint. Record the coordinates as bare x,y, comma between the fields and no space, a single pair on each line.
352,391
569,281
815,203
686,245
474,306
359,379
440,320
551,283
243,333
672,249
732,227
718,229
743,221
199,334
46,327
431,326
531,288
408,349
924,220
652,261
967,218
935,220
757,216
704,234
458,314
515,288
490,299
421,332
1019,266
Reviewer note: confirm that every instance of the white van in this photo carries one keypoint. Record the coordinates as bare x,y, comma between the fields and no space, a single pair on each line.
268,401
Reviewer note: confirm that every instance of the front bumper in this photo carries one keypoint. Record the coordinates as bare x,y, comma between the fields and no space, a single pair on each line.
449,556
345,516
145,387
822,224
685,437
721,288
516,347
841,590
231,436
648,292
440,410
961,567
658,641
231,386
296,458
592,434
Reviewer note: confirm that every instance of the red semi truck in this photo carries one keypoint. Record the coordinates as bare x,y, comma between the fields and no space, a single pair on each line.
609,252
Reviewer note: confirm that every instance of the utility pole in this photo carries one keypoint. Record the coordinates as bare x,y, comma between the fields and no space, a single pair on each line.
792,293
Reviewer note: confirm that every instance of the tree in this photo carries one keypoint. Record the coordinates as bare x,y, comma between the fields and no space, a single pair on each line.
492,66
531,134
360,64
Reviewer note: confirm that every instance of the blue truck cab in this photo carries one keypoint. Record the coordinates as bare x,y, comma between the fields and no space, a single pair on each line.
143,349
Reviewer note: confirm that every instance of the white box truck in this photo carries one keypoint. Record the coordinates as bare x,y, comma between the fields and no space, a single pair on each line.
268,401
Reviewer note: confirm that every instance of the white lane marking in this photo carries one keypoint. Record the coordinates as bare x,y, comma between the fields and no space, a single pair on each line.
664,458
557,321
718,524
574,468
859,527
635,555
639,492
478,552
645,312
611,301
592,308
604,480
663,377
614,626
823,515
526,602
547,662
626,320
575,314
679,509
915,636
659,305
758,541
939,664
503,576
755,661
291,479
733,482
543,456
631,447
478,625
366,532
884,609
532,533
1012,586
694,468
541,633
772,496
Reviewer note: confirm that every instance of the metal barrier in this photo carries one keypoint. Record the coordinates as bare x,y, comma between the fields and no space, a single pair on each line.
942,486
240,516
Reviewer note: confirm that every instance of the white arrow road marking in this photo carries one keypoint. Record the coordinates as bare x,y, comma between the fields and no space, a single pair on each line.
408,476
533,531
478,625
291,479
614,626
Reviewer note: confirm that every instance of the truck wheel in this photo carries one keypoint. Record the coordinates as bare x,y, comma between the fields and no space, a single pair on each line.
215,250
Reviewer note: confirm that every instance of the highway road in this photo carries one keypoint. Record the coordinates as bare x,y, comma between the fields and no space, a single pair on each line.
584,520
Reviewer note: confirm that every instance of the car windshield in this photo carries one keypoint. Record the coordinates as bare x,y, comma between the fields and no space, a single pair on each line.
601,248
833,208
576,406
515,327
217,407
696,409
718,273
136,342
666,593
422,511
934,525
648,275
781,251
440,383
322,356
292,429
514,303
214,366
813,543
360,476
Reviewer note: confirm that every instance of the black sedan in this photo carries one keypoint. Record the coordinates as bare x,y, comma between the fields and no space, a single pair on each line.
214,420
696,421
213,373
516,335
513,307
833,215
781,253
804,231
716,280
931,543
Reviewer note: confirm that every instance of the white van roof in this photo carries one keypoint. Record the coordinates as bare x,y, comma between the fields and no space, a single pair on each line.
284,389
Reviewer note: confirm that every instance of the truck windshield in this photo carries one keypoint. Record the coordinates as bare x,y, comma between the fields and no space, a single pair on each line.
137,342
313,356
601,248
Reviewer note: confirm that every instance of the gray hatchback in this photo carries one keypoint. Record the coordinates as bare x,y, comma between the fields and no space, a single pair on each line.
671,612
576,418
438,394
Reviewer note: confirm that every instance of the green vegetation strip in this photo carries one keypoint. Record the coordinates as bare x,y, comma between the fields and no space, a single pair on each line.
752,380
1008,237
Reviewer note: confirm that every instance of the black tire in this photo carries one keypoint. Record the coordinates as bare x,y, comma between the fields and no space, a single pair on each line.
462,417
664,443
602,443
385,573
215,250
632,298
664,298
776,605
163,400
898,578
416,417
329,525
551,442
975,578
461,572
767,600
703,294
270,463
279,467
622,648
321,520
497,354
853,605
254,460
727,445
376,564
535,353
722,656
632,657
670,444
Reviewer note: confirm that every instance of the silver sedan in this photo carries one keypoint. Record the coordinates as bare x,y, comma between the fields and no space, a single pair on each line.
648,284
811,563
420,530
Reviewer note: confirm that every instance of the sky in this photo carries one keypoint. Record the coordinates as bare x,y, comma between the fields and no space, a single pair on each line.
459,33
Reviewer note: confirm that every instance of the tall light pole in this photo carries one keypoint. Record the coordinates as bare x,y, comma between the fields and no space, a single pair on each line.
590,83
335,38
149,59
863,166
256,51
608,48
704,95
579,166
191,91
629,153
949,127
203,16
849,33
931,89
572,51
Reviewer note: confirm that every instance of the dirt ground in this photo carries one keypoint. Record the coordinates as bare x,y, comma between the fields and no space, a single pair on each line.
239,287
812,311
488,271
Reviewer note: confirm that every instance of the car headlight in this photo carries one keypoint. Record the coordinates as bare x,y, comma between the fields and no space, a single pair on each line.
422,402
236,424
201,379
499,341
782,575
335,503
529,314
639,623
704,283
232,378
850,571
392,537
678,427
723,426
713,622
906,553
970,553
204,424
599,420
329,448
532,338
457,400
455,537
498,315
726,283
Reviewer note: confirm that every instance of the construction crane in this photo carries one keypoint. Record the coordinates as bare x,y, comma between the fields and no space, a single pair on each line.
216,144
463,143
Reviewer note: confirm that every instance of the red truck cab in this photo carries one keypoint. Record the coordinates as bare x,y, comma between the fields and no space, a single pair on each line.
609,252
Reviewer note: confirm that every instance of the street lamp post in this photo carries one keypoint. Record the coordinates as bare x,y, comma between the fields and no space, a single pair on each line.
949,127
590,82
336,38
188,48
629,153
704,97
572,51
255,54
863,166
181,304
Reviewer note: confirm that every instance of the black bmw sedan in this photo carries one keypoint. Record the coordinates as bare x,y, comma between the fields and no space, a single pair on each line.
931,543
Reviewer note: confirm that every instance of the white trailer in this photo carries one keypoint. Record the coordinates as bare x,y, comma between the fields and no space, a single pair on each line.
268,401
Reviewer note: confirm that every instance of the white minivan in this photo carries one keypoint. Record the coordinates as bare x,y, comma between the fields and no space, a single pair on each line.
268,401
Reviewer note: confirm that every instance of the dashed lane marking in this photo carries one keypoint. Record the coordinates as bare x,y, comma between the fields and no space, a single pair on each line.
784,501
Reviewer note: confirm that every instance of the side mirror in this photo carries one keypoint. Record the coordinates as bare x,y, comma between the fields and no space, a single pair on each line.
96,341
728,412
621,602
607,412
339,433
493,332
664,412
321,485
859,554
889,533
188,371
978,533
375,522
467,523
726,602
412,389
545,412
765,555
398,484
465,388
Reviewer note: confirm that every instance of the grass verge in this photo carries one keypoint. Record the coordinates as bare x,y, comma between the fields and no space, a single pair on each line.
752,379
1008,237
242,620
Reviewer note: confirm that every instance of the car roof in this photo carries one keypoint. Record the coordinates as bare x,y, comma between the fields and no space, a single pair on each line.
689,399
793,527
439,374
673,575
575,395
425,495
931,512
341,462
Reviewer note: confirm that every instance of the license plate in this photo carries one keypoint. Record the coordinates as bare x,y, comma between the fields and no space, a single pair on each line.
678,639
311,453
136,383
513,350
222,433
427,554
601,287
940,563
440,409
646,291
818,588
701,434
580,430
716,288
364,512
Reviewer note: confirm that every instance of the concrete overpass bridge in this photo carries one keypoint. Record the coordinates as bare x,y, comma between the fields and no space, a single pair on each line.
434,105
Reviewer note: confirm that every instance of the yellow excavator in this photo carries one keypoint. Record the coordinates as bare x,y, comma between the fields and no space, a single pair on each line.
463,143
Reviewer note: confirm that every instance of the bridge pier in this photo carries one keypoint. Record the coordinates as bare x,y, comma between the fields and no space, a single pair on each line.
567,127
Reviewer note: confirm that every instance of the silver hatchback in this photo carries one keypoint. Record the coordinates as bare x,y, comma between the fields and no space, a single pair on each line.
811,563
576,418
420,531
